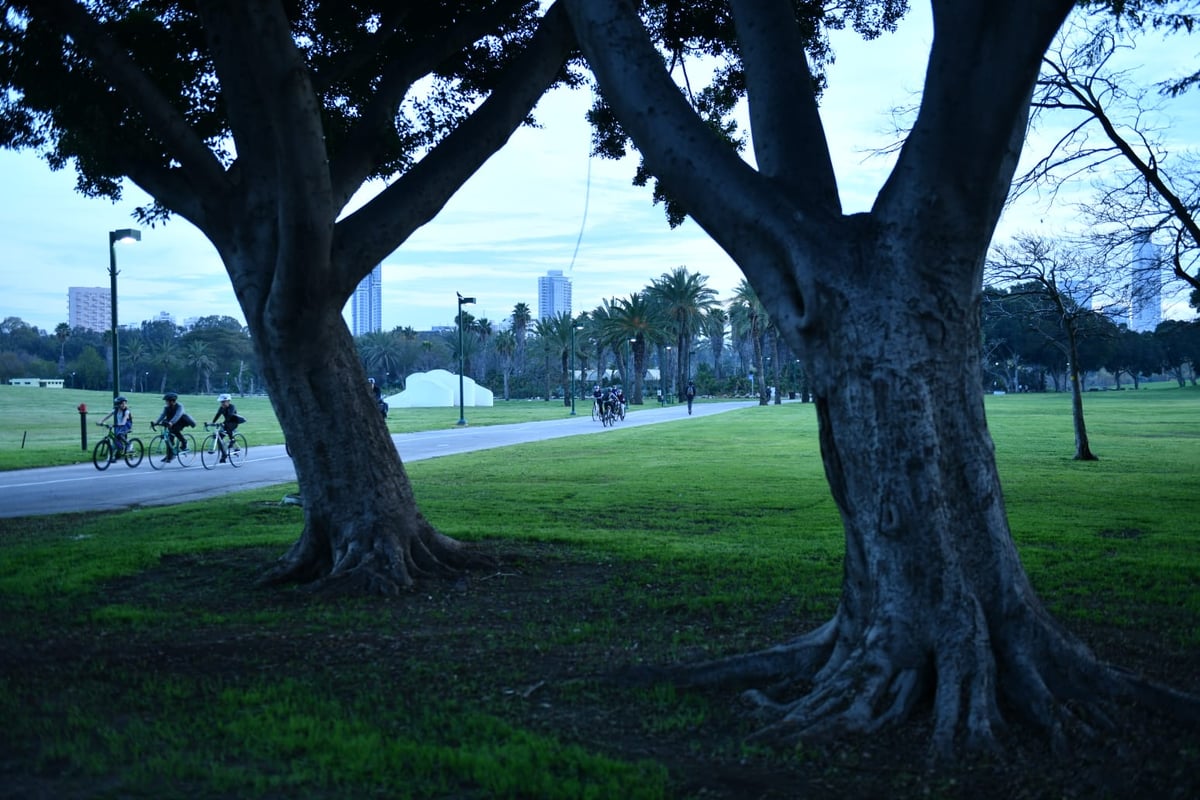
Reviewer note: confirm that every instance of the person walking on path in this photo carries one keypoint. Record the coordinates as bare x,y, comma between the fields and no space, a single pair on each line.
690,392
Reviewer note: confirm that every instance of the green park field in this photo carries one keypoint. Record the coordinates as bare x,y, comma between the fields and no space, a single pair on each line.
139,657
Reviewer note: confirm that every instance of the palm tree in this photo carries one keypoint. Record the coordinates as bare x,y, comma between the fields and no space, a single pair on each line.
521,317
482,330
62,331
748,313
506,348
555,335
715,323
134,353
196,356
163,356
632,324
684,299
380,352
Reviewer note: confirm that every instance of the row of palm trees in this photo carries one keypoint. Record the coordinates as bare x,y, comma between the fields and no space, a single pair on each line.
676,324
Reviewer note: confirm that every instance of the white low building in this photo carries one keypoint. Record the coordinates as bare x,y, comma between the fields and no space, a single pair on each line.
439,389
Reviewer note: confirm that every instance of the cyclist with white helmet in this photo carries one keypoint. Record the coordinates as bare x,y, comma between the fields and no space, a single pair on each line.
228,410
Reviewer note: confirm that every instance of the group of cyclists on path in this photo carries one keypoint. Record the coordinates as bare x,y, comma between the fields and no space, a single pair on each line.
611,403
608,403
175,418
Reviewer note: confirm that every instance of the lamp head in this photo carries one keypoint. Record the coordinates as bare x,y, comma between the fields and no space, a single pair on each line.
125,235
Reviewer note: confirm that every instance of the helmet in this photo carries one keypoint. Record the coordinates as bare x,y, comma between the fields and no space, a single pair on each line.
224,398
170,396
118,400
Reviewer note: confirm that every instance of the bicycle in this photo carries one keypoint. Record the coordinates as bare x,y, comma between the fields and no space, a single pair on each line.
222,446
163,449
608,415
110,448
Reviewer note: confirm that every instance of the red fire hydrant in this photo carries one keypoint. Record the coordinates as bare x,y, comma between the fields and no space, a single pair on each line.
83,426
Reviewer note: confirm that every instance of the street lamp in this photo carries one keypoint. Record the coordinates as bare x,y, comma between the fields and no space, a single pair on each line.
672,384
123,235
629,366
574,328
462,301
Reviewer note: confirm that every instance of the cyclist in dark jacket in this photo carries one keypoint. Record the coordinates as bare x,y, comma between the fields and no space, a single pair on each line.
176,419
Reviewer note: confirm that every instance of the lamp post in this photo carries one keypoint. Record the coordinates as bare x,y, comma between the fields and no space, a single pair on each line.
671,385
574,328
122,235
462,301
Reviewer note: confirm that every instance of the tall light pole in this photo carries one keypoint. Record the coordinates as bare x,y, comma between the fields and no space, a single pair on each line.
462,301
123,235
574,328
671,385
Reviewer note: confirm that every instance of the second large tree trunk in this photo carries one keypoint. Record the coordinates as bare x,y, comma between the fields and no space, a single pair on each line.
935,607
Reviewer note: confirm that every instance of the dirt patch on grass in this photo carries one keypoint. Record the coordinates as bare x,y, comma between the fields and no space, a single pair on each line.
530,641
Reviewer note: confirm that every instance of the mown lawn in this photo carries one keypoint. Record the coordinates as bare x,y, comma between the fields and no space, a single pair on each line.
138,658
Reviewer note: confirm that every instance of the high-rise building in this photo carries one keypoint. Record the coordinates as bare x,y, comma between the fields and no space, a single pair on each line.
89,307
1145,285
554,294
367,304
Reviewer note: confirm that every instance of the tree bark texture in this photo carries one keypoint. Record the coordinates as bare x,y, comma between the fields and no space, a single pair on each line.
935,608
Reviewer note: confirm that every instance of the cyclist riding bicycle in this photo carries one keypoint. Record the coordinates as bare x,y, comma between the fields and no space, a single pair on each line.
226,409
612,400
176,419
122,423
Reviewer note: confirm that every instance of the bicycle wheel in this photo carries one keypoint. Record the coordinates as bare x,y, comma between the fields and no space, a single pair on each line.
238,451
186,456
158,452
102,454
134,452
210,451
595,412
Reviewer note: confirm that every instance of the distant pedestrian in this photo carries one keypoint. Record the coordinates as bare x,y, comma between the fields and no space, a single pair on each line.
690,393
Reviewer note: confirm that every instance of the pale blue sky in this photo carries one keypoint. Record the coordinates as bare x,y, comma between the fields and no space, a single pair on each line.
517,218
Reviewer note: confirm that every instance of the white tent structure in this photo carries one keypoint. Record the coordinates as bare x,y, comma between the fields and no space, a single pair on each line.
438,389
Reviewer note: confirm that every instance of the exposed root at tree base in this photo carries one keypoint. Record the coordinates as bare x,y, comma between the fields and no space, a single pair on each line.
379,565
815,688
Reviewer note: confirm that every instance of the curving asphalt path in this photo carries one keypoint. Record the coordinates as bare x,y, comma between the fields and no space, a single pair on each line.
81,487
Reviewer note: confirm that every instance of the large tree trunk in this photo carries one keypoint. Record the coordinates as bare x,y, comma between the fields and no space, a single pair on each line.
362,530
885,306
935,606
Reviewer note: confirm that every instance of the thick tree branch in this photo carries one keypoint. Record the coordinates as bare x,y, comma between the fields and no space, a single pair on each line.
374,231
203,169
355,162
955,168
725,195
789,139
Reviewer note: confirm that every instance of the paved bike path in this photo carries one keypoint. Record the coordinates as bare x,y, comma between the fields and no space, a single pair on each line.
81,487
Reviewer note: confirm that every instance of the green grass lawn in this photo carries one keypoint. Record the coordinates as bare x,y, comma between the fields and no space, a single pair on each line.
137,653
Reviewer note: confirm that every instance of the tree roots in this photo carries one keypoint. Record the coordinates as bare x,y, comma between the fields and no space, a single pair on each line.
817,687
